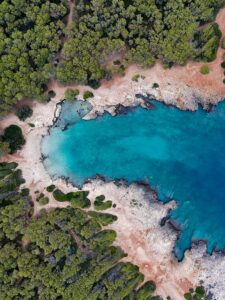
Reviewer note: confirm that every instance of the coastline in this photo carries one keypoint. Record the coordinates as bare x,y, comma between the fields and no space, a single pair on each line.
151,246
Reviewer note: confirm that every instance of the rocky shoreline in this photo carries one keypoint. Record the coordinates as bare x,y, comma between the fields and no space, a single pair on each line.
196,254
140,234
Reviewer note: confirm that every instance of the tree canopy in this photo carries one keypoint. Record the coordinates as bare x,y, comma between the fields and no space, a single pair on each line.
137,31
30,36
104,37
62,254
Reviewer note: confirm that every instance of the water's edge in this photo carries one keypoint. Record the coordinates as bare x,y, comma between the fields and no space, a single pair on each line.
120,109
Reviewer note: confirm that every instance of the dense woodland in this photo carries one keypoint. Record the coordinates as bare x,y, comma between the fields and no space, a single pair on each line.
63,254
31,33
108,35
104,37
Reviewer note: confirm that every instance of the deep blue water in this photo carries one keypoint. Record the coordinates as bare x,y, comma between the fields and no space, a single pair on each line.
180,153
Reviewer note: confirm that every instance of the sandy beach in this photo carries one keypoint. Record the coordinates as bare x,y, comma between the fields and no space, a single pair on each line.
139,213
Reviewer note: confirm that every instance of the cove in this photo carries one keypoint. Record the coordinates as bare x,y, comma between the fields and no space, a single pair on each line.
180,153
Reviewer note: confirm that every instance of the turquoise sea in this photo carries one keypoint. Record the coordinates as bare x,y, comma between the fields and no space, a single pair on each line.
180,153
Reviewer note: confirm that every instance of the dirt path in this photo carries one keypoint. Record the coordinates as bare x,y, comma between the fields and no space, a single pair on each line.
70,17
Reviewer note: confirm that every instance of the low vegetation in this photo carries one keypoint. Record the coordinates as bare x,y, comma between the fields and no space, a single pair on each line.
70,94
205,69
13,137
138,32
88,95
76,199
42,199
101,204
223,43
50,188
24,112
197,294
103,218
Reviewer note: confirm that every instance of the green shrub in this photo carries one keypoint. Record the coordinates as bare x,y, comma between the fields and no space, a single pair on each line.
100,198
188,296
31,125
223,64
51,94
223,43
103,238
71,94
59,195
100,204
136,77
79,199
50,188
224,81
4,148
88,95
25,192
205,69
155,85
8,166
206,42
24,112
103,219
42,200
14,137
146,290
103,205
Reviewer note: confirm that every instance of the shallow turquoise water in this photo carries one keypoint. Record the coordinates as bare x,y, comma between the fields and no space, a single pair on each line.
182,154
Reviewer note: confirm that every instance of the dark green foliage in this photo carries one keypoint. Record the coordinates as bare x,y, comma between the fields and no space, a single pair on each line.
223,43
76,199
42,199
205,69
103,218
71,94
147,289
4,148
137,31
50,188
88,95
14,137
62,254
30,33
24,112
198,294
79,199
59,195
101,204
206,42
188,296
155,85
51,94
100,198
223,64
104,38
